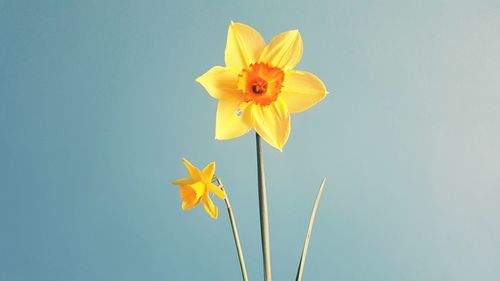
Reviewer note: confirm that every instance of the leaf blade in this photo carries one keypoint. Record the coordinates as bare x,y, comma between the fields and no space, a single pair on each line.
300,270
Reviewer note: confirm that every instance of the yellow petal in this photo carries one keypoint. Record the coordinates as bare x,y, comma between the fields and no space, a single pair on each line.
183,181
220,82
232,120
209,207
243,46
217,191
193,172
284,51
301,90
272,123
208,172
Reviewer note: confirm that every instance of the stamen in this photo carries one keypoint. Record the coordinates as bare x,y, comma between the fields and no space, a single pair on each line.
256,89
259,86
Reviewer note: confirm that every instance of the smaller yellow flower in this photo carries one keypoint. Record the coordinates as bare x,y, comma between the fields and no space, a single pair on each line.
196,188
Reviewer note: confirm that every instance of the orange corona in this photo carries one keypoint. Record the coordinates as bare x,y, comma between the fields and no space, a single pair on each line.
261,83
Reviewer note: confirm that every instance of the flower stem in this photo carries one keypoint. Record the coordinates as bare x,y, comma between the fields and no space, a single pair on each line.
235,233
264,221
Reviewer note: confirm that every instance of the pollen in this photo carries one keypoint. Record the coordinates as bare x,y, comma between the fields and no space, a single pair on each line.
261,83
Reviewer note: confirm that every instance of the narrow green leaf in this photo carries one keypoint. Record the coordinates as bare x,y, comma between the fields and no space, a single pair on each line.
309,231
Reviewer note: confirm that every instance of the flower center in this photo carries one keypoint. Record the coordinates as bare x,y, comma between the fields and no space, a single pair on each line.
191,193
259,86
188,194
261,83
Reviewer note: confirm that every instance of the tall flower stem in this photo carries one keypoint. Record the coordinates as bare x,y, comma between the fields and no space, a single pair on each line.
264,221
236,236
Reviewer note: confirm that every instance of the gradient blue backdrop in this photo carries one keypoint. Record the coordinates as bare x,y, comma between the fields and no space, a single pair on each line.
98,105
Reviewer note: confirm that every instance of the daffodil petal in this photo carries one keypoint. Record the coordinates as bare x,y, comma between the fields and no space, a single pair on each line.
232,119
209,207
217,191
208,172
301,90
284,51
183,181
272,123
243,46
220,82
193,172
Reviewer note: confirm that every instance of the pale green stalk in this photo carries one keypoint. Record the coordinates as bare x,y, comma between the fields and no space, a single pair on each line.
309,231
264,222
236,236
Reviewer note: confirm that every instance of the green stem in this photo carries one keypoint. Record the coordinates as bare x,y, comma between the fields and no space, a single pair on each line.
236,236
264,221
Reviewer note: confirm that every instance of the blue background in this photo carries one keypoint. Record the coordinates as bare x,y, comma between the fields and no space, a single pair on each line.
98,105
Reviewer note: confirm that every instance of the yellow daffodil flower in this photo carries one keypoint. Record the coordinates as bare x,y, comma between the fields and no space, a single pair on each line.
258,88
197,186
